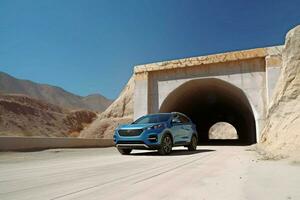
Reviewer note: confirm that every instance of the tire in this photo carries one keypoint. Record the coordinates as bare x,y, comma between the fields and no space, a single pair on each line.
124,151
166,145
193,144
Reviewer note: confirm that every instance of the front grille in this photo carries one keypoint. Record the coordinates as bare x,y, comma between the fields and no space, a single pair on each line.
130,132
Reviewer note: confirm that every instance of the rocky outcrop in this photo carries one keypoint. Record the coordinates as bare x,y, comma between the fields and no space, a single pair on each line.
119,112
123,105
281,135
24,116
77,120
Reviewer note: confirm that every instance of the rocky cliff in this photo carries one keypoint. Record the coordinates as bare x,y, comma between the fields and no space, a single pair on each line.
281,135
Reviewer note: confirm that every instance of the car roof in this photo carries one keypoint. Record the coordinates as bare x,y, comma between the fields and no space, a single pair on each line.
167,113
158,114
181,114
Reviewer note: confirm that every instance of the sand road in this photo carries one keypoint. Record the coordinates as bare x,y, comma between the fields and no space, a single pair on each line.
211,172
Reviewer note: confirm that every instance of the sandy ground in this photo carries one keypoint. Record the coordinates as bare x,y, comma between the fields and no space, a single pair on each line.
212,172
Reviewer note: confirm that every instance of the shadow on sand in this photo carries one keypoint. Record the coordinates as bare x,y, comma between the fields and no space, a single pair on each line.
226,142
175,152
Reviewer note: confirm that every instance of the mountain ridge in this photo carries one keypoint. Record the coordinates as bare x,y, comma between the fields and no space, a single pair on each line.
52,94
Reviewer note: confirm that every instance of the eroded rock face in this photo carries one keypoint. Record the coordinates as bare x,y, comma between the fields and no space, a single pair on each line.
119,112
77,120
123,105
24,116
281,134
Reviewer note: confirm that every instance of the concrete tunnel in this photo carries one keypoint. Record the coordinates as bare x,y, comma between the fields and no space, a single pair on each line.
209,101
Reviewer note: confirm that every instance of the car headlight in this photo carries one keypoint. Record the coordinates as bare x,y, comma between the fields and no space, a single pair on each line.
156,126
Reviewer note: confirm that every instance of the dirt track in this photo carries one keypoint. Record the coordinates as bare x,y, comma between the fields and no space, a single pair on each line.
212,172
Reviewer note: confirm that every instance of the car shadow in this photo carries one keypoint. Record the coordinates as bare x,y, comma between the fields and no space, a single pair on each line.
175,152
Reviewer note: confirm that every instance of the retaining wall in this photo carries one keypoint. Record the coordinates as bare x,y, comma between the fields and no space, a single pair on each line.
39,143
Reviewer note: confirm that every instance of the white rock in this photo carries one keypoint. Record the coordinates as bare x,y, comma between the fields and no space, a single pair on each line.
281,134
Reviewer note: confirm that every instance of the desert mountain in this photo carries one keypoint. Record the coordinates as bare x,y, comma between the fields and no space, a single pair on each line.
24,116
52,94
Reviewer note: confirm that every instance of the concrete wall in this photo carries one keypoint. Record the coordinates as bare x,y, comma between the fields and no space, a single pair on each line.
38,143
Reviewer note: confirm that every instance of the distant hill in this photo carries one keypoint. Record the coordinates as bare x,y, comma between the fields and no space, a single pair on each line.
24,116
52,94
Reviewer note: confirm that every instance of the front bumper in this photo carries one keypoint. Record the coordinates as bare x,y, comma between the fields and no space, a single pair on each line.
148,139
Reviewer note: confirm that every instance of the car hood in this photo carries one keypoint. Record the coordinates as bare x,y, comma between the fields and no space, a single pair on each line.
136,126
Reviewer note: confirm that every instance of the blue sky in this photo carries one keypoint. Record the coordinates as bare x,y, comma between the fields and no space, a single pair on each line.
91,46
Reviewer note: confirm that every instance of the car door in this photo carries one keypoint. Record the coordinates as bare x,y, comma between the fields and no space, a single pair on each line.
178,129
187,128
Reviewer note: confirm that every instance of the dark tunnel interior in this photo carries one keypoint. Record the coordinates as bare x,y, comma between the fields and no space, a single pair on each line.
208,101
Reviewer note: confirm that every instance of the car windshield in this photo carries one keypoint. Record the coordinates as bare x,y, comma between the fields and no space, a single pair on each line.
153,119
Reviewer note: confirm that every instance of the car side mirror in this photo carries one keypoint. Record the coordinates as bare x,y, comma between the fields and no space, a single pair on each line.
175,121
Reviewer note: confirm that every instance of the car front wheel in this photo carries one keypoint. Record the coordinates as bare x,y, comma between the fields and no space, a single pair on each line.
124,151
166,145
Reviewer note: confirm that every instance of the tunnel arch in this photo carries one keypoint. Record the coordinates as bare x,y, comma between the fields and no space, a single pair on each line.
208,101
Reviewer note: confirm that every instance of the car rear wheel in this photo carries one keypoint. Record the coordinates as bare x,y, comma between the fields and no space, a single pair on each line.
193,145
124,151
166,145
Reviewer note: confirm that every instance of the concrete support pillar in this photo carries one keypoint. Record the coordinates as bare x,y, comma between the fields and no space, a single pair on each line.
140,95
273,69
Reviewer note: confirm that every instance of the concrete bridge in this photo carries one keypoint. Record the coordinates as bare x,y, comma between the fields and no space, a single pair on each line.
232,87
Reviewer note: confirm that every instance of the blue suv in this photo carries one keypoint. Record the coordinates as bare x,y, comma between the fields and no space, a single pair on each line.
159,132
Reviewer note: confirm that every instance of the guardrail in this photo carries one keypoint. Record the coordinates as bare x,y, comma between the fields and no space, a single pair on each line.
40,143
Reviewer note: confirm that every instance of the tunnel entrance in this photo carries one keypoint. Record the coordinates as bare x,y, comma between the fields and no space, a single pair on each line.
208,101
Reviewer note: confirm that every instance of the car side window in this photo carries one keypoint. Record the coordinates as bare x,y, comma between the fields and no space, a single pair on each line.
183,119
